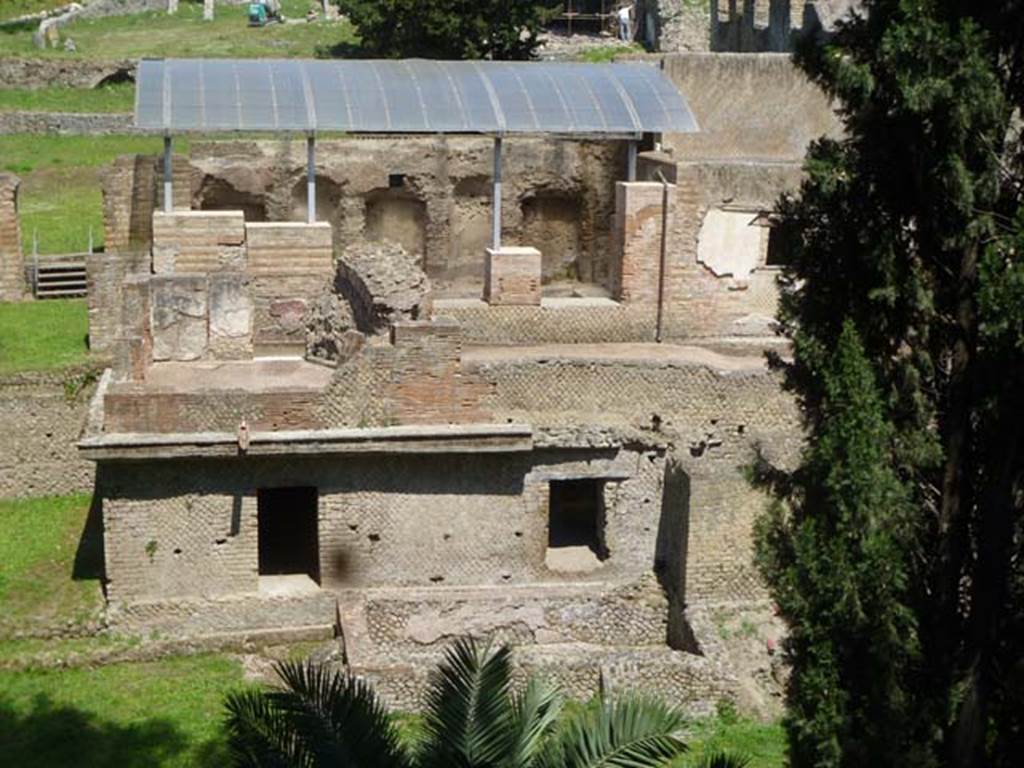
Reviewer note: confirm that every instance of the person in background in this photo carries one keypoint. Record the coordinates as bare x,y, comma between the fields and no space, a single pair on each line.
625,30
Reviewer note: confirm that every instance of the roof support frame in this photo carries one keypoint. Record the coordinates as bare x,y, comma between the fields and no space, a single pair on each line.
311,178
496,196
168,175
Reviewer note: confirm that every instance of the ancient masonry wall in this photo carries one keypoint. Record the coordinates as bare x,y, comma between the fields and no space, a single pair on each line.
41,415
12,265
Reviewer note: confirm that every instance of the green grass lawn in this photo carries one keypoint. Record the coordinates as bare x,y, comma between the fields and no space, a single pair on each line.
186,34
60,191
764,744
42,335
109,98
49,572
161,714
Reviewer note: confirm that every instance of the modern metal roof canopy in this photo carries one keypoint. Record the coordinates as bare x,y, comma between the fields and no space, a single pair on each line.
412,96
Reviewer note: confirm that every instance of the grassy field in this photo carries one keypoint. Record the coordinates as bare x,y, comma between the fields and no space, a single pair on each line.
186,34
109,98
48,576
42,336
161,714
60,192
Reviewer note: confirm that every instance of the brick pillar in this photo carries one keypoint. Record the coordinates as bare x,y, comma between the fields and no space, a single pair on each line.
12,264
512,276
636,255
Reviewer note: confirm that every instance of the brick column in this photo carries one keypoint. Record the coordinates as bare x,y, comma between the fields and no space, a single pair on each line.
512,276
636,256
12,264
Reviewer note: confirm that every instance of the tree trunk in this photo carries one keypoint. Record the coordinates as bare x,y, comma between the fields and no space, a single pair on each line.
207,10
172,6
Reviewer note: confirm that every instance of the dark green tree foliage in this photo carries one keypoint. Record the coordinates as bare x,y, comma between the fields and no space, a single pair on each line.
450,29
895,552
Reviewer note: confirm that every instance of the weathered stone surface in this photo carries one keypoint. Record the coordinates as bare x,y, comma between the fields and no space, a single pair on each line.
179,307
231,316
330,334
383,284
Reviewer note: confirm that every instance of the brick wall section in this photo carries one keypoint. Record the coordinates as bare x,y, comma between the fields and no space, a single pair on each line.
130,408
41,416
288,248
638,226
512,276
12,266
198,241
129,197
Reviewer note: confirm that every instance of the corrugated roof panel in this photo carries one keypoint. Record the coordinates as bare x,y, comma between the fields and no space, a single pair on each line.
410,96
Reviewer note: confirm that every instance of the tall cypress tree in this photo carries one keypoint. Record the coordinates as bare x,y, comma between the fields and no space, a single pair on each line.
907,233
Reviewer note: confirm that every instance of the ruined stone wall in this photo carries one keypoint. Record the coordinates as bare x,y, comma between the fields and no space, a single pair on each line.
430,195
188,529
676,25
12,265
772,25
41,416
75,123
60,72
749,107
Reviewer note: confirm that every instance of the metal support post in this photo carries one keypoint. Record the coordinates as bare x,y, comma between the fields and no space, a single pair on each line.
168,175
311,179
496,200
631,161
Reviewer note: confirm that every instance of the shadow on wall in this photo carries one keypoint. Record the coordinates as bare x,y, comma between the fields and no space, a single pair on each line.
219,195
398,216
328,200
551,224
90,556
48,734
671,553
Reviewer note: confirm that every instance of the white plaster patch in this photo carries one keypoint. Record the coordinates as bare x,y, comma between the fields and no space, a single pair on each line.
730,243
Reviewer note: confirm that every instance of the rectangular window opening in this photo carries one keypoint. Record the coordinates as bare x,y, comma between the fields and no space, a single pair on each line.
777,247
288,539
576,523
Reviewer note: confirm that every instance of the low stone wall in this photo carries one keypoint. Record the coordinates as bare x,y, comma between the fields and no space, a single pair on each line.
64,73
41,416
65,123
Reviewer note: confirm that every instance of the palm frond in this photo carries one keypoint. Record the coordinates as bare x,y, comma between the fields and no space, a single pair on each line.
468,707
534,715
631,732
724,760
337,719
258,735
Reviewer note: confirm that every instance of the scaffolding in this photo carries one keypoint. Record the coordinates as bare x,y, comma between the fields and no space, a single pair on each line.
590,12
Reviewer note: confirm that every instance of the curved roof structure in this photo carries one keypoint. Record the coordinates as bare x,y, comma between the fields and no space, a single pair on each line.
410,96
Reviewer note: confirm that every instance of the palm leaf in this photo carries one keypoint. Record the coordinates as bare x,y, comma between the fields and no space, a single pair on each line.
468,707
258,735
337,719
534,715
319,718
632,732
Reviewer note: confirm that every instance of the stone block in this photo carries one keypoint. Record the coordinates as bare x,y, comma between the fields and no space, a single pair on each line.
290,248
179,317
512,276
231,316
198,241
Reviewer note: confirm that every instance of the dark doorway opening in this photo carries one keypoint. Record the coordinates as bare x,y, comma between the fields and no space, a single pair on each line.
576,524
778,247
288,542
